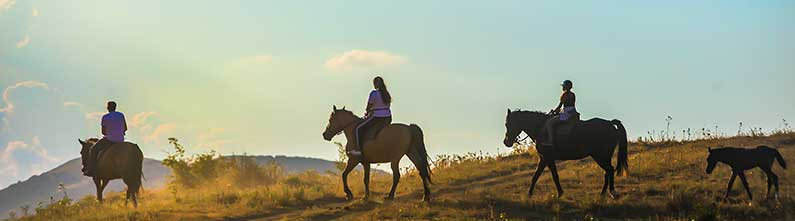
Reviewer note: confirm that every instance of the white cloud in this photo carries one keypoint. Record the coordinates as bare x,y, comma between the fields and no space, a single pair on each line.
13,168
6,4
72,104
257,59
159,131
27,84
94,115
24,42
139,119
362,59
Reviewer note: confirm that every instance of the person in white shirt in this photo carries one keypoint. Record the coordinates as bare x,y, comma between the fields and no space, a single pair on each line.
378,115
114,127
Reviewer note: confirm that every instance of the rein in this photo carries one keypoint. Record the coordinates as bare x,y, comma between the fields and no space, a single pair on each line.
347,125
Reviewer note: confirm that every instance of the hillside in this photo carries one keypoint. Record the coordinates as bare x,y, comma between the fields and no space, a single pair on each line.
666,181
40,188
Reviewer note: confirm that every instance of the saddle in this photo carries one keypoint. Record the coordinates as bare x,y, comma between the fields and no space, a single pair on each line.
372,132
566,128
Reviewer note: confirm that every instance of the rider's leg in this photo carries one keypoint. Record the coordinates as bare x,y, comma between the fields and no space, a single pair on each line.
357,150
550,127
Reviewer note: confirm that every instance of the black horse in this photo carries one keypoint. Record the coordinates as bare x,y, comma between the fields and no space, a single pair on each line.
740,159
596,138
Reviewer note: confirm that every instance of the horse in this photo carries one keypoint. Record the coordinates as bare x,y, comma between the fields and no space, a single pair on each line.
741,159
596,138
119,161
389,146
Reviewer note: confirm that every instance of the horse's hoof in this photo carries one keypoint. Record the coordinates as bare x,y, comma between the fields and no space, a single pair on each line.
349,197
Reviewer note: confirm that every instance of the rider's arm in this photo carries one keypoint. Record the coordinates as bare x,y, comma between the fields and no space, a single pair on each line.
104,132
125,124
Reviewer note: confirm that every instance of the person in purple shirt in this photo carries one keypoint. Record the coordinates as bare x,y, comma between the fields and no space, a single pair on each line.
114,127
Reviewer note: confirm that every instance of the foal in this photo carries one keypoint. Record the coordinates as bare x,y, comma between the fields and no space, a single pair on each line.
740,159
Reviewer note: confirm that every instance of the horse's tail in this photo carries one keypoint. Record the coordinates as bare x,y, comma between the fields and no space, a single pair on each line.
780,159
417,152
137,166
622,168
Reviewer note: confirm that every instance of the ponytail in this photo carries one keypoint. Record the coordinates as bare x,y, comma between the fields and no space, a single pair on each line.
378,82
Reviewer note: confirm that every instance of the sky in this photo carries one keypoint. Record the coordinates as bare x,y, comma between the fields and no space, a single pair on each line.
260,77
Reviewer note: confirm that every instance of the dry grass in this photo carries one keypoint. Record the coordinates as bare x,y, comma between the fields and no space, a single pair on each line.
666,182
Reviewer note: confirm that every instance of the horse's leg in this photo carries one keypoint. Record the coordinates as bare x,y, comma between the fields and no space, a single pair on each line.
745,183
775,183
554,170
351,164
769,183
729,187
609,175
426,191
772,180
395,179
98,185
366,180
539,169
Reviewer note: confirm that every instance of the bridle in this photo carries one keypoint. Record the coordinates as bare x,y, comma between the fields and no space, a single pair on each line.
345,126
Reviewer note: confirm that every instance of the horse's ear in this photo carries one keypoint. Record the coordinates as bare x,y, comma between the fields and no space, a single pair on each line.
710,149
509,110
81,141
334,107
343,107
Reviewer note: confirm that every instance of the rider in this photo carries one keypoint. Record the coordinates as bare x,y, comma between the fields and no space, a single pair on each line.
377,114
113,128
567,100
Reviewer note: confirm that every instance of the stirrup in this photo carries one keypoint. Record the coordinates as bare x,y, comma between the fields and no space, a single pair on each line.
354,153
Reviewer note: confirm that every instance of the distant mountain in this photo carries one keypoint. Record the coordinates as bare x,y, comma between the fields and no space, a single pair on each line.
40,188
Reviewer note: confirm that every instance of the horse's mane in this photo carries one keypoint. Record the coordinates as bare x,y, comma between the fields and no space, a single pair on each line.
349,112
528,112
92,140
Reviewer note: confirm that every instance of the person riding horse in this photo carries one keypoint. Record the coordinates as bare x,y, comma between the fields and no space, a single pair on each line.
114,127
567,114
377,115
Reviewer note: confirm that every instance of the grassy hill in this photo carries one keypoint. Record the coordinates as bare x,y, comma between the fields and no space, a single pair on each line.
44,187
666,182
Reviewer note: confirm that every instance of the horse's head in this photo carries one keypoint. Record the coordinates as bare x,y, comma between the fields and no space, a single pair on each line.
512,128
85,150
517,121
712,160
337,122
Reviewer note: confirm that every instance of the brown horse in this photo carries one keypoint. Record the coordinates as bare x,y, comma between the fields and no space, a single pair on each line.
119,161
391,144
596,138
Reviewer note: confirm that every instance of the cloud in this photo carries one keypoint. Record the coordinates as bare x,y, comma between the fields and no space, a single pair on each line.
362,59
24,42
9,106
6,4
160,130
38,157
140,118
257,59
72,104
94,115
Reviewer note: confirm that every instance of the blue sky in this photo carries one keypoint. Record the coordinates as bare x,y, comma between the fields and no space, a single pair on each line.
259,77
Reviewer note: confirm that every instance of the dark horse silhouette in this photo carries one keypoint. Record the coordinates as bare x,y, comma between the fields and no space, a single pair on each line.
595,137
120,161
740,159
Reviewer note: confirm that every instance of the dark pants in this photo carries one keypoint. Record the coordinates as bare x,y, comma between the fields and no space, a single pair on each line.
98,147
369,128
